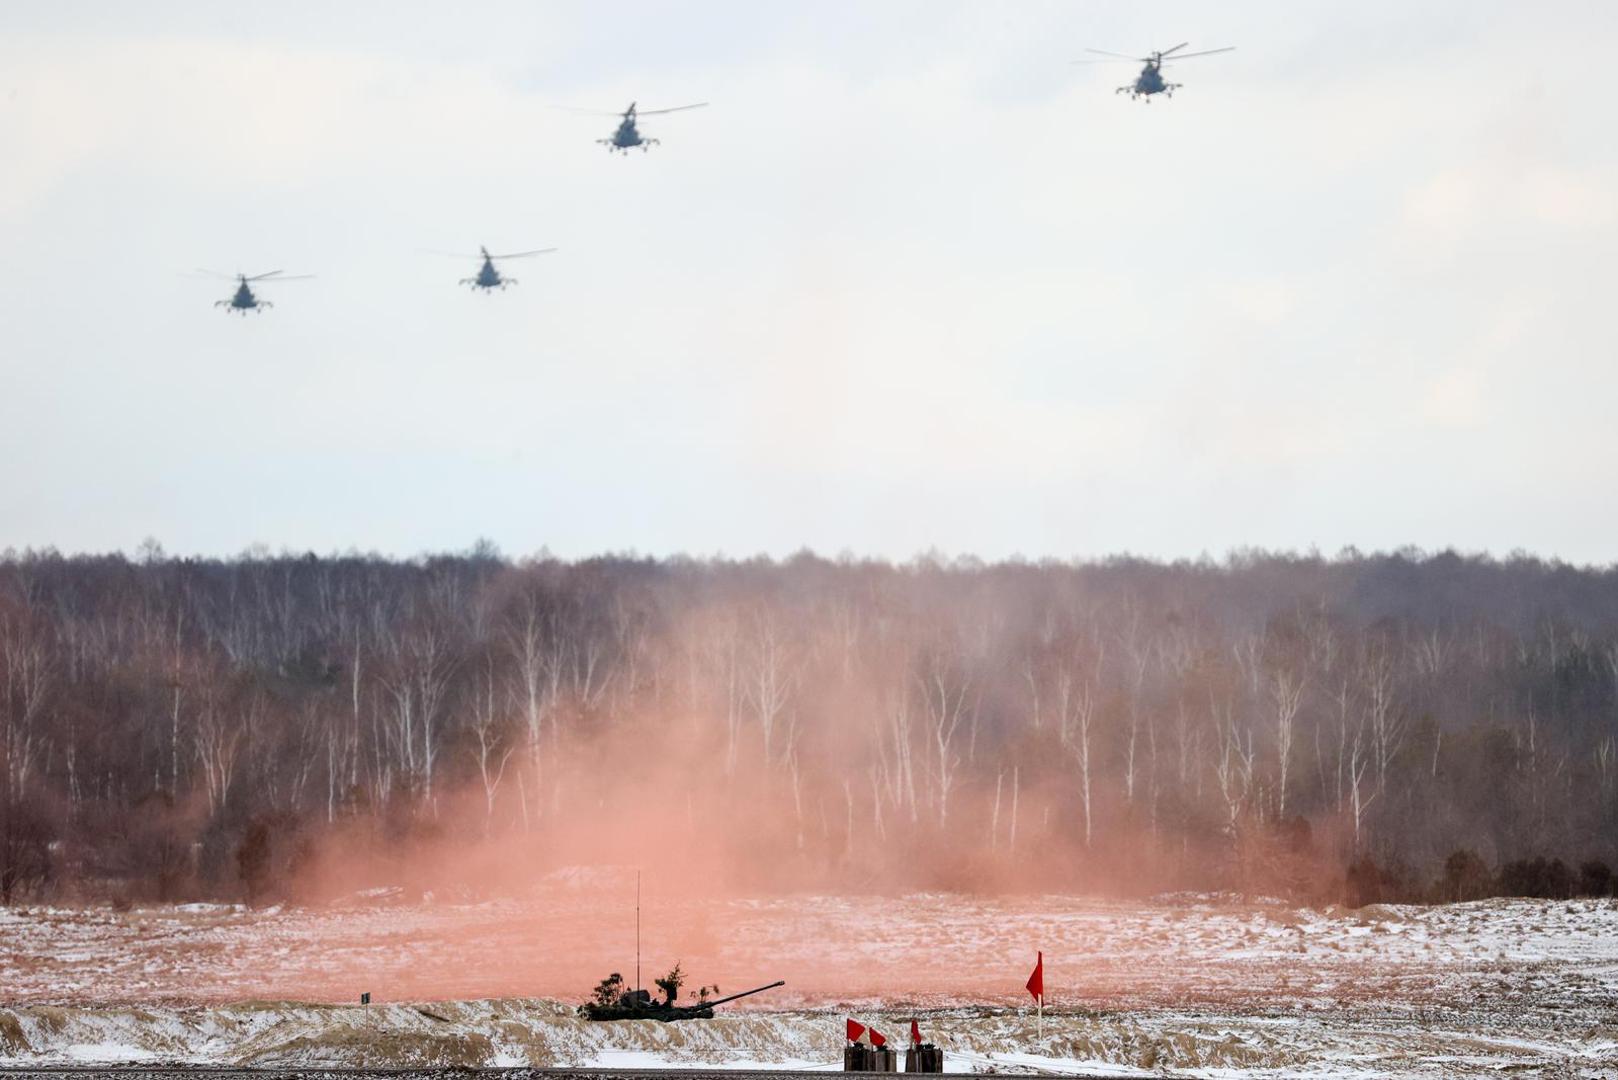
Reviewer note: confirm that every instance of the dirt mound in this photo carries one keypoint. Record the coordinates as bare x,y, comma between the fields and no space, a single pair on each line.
360,1047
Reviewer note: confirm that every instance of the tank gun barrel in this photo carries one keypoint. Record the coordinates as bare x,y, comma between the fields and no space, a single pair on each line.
745,993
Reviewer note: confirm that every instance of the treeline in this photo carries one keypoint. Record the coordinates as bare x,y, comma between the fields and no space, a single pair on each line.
1464,876
297,725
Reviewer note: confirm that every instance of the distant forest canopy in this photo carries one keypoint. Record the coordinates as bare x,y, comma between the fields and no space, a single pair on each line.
1396,725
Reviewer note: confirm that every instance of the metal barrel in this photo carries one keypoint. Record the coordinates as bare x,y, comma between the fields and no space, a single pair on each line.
744,993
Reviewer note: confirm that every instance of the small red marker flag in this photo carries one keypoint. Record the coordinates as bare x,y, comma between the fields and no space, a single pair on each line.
1036,981
855,1030
915,1034
877,1038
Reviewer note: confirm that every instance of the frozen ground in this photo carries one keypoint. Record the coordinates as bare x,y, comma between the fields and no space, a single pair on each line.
1182,986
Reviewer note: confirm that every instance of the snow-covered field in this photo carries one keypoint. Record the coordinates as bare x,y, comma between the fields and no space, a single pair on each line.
1181,986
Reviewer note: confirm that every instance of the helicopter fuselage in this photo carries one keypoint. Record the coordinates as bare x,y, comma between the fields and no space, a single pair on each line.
243,301
628,136
1150,81
488,278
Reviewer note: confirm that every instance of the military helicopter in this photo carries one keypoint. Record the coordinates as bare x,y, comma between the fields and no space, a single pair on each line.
244,299
628,135
488,278
1150,80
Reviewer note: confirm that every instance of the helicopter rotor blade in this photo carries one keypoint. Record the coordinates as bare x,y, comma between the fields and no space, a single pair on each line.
1190,55
524,254
589,112
278,280
1119,56
677,108
1167,52
258,277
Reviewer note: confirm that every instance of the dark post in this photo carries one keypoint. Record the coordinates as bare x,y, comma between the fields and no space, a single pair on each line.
365,1000
924,1058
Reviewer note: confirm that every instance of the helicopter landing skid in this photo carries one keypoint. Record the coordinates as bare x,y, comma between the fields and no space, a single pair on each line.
614,148
1136,95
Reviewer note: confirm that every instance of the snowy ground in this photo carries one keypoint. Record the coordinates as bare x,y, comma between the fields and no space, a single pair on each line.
1190,986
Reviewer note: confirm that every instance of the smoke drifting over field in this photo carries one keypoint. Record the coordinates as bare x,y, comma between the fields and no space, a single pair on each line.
304,728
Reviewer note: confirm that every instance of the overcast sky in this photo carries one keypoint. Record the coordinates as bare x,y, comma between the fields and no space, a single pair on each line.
912,281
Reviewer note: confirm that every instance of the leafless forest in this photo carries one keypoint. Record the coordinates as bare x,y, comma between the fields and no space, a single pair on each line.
302,727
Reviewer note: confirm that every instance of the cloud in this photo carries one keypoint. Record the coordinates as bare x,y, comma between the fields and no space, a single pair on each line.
1487,197
1456,399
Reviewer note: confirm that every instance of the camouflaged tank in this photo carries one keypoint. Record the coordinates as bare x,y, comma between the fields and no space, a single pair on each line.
640,1005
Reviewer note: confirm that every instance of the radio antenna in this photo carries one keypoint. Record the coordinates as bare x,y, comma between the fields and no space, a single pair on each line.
637,931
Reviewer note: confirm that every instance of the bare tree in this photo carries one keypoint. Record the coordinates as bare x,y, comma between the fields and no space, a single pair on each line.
1387,727
1234,767
944,694
493,740
1286,692
1076,705
770,682
218,742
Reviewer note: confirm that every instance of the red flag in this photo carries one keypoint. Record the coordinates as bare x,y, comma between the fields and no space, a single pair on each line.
915,1034
877,1038
855,1030
1036,981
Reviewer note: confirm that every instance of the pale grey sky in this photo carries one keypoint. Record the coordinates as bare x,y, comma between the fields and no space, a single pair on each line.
911,281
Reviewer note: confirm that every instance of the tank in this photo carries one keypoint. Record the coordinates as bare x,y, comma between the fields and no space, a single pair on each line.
640,1005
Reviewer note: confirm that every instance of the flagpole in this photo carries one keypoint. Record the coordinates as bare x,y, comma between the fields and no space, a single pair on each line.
1036,989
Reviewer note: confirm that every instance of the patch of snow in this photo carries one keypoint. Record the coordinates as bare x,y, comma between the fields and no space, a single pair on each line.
105,1053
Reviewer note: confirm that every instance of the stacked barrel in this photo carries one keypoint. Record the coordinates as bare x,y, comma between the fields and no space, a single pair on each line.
878,1056
857,1057
924,1058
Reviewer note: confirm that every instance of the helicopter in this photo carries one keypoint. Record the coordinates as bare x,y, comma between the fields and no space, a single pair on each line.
244,299
1150,80
628,135
488,278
